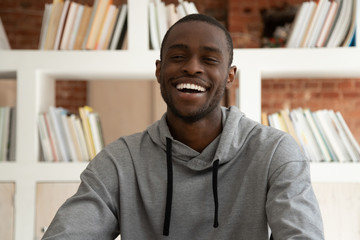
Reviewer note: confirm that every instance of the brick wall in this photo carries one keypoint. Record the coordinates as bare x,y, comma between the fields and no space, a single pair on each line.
22,20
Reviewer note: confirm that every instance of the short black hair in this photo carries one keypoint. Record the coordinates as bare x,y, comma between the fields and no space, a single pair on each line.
202,18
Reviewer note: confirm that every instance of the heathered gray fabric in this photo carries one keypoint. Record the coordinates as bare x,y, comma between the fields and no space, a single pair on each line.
263,179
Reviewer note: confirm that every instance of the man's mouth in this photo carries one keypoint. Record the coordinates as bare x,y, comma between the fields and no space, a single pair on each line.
190,88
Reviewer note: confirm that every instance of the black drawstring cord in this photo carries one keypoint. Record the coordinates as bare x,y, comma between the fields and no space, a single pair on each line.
169,187
215,192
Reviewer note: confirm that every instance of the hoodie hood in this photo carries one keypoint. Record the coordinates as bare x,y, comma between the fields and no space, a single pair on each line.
223,148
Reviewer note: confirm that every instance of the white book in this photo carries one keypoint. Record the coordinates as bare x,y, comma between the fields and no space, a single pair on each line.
74,137
5,132
161,19
154,36
44,139
189,7
315,22
331,152
354,156
305,135
96,132
69,140
328,24
315,130
348,132
342,24
53,141
60,28
119,27
305,24
172,16
81,137
44,24
332,135
65,39
111,11
297,24
180,10
75,29
320,23
55,118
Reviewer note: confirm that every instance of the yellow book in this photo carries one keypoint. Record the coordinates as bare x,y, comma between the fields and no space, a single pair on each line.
83,111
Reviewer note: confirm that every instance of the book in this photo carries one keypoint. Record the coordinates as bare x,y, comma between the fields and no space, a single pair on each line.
55,15
161,19
69,25
75,30
154,36
107,28
44,139
91,21
297,24
333,137
44,24
328,23
4,41
285,113
60,28
342,24
68,136
354,156
352,28
84,23
55,118
346,128
97,23
316,23
52,138
96,131
120,29
315,130
81,138
84,115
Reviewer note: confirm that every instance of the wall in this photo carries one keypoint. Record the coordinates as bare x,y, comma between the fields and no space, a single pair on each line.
22,20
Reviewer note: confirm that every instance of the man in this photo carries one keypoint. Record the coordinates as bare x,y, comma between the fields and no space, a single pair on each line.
202,171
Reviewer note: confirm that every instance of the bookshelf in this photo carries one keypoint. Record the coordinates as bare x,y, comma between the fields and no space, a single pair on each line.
36,71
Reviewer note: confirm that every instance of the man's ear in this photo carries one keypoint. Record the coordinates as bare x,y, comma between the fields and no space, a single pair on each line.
231,76
157,71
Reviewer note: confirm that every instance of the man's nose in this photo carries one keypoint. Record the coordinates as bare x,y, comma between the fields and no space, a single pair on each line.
193,66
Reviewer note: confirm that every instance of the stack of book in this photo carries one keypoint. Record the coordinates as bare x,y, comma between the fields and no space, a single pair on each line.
323,134
68,137
324,23
7,133
68,25
162,17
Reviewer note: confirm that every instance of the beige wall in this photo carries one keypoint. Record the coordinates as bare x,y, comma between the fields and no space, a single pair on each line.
125,107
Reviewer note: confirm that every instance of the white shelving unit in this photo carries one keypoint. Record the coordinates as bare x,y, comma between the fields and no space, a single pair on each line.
36,71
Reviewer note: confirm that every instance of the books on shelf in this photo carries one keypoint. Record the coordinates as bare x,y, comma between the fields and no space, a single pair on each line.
68,137
324,23
7,133
68,25
323,134
162,16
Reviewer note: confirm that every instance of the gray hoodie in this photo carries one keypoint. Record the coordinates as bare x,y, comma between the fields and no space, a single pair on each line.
148,185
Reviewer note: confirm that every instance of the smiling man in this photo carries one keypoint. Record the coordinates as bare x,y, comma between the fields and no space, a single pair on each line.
202,171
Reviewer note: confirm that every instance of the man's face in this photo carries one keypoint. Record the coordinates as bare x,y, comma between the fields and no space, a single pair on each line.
194,71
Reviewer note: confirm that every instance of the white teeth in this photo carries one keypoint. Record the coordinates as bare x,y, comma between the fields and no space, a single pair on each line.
190,86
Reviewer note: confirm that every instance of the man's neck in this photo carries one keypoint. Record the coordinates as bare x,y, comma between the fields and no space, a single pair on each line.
197,135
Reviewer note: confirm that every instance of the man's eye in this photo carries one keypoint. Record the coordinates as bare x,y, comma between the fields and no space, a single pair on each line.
211,60
177,57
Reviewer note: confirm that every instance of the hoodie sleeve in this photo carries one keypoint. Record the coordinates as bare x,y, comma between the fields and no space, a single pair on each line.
92,212
292,208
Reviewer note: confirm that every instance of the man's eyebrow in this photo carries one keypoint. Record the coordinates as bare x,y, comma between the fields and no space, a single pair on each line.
206,48
178,46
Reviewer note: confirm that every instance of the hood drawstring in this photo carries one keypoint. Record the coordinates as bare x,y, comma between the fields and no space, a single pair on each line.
169,190
215,192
